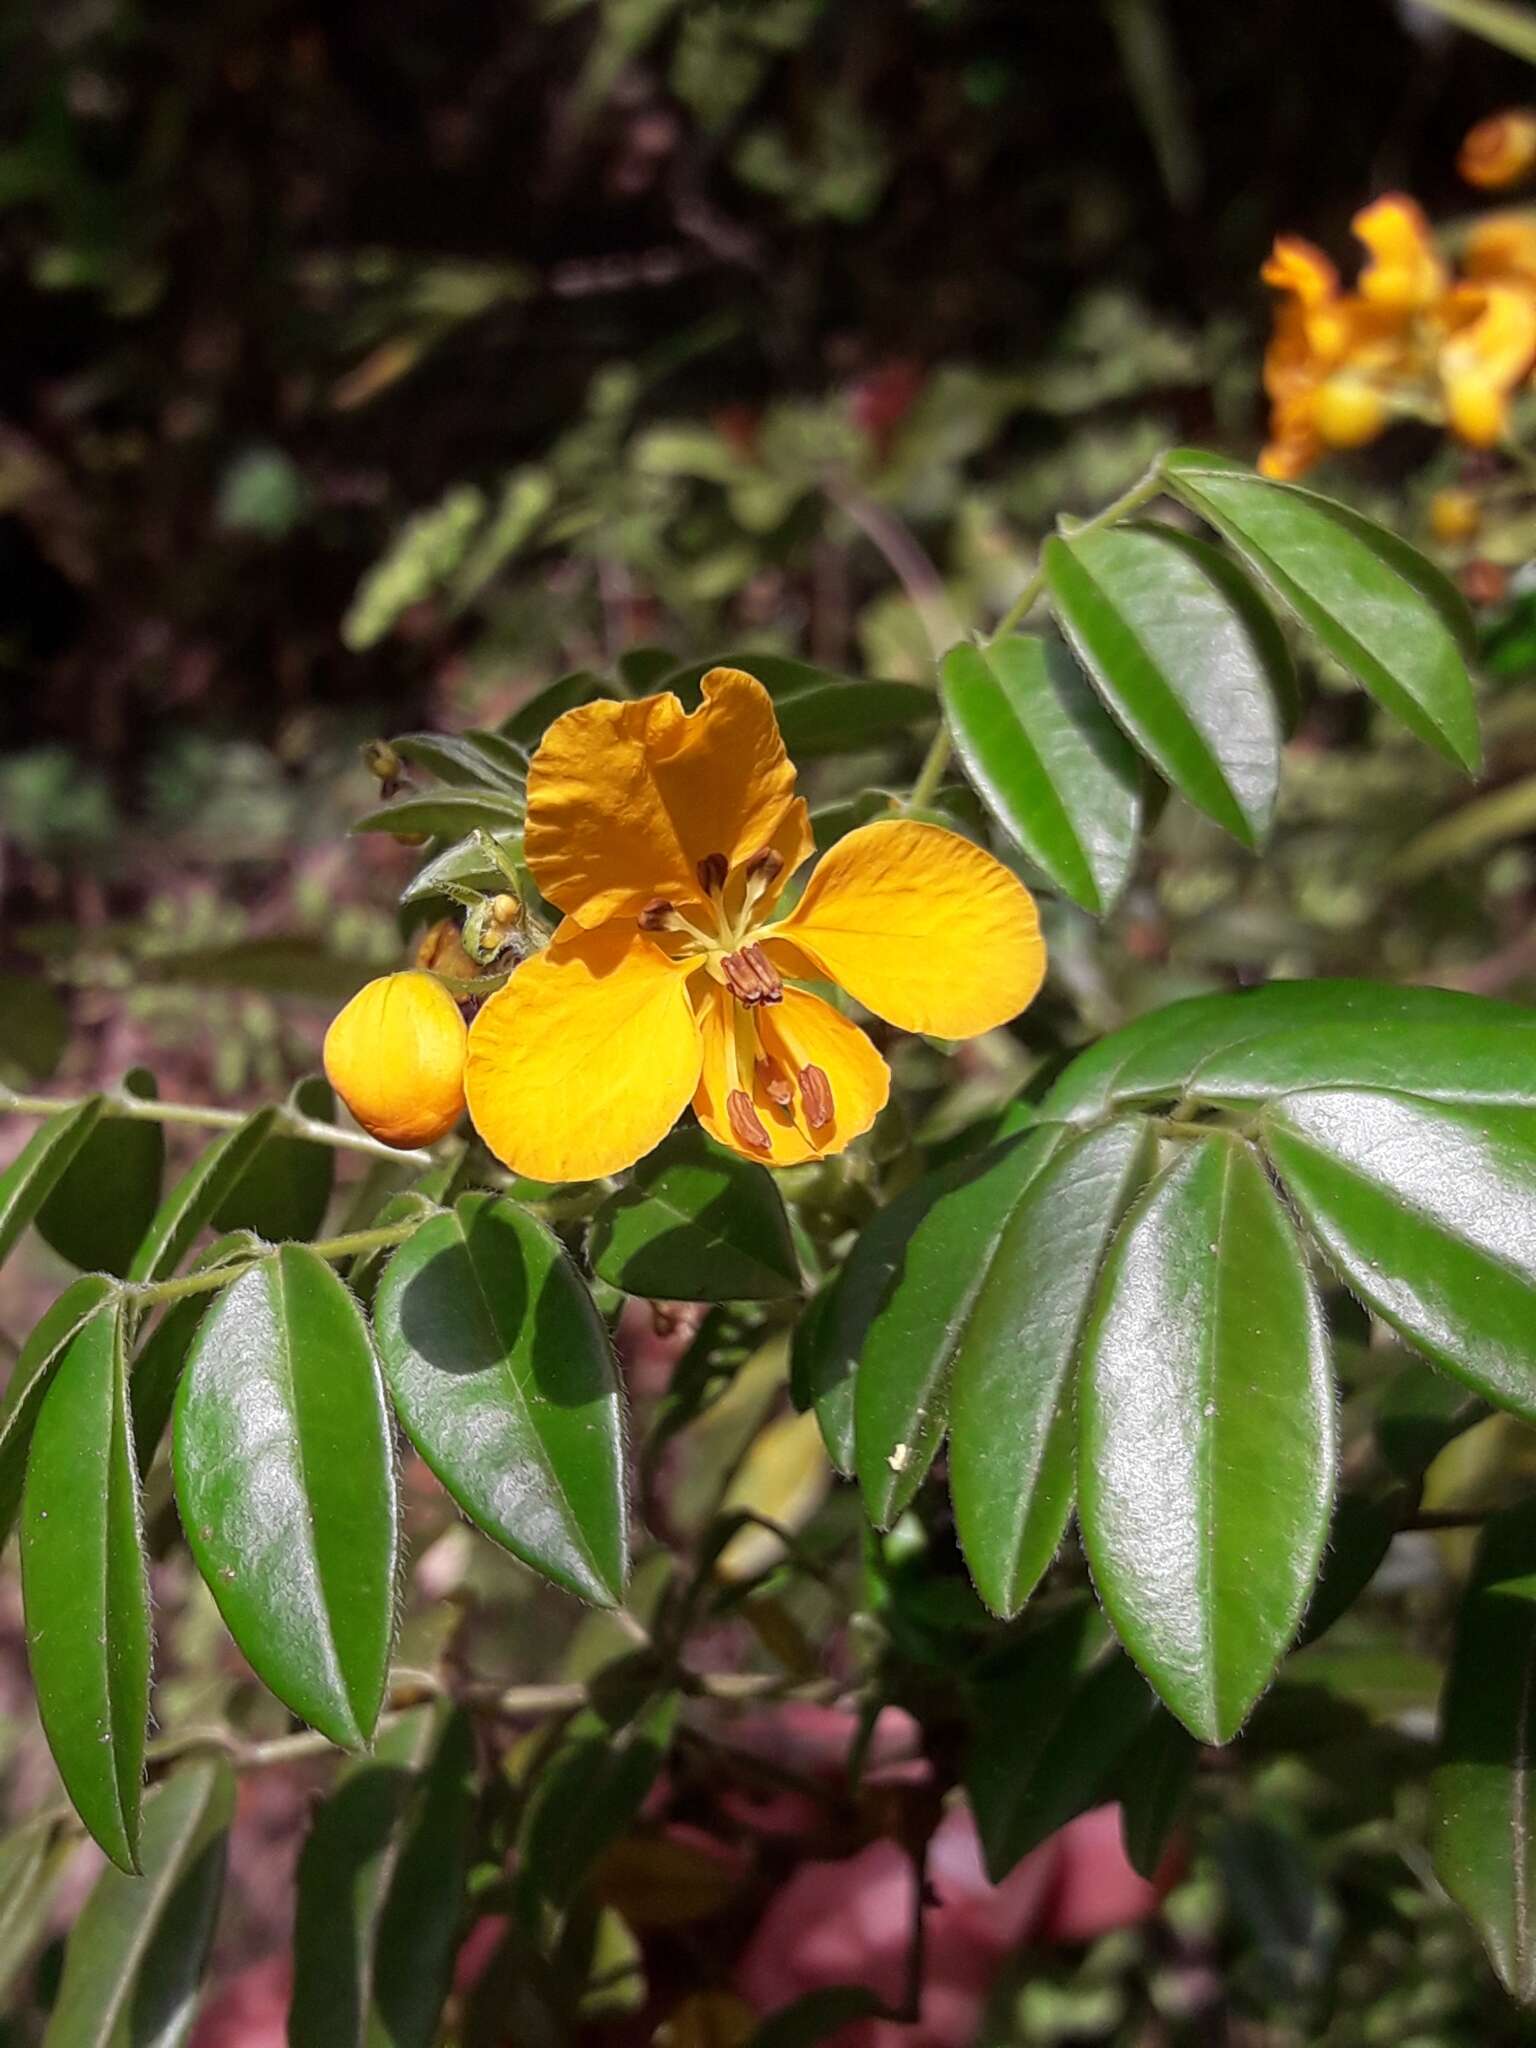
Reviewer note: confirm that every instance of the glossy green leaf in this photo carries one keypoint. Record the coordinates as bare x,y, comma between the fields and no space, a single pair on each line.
444,814
106,1198
467,760
381,1890
1186,670
696,1223
1206,1435
1341,1026
526,726
35,1171
1428,1211
464,865
1483,1815
84,1583
907,1306
156,1368
585,1797
1346,583
189,1207
411,1205
31,1376
1055,770
503,1378
285,1190
135,1961
1051,1719
31,1863
285,1481
1013,1438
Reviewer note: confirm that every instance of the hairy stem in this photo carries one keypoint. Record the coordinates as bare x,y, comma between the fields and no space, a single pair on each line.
146,1110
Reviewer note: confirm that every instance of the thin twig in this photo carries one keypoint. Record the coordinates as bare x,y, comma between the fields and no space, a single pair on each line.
146,1109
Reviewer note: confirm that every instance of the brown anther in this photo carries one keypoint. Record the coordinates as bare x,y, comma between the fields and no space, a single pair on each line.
657,916
765,867
752,977
816,1094
712,871
746,1124
774,1082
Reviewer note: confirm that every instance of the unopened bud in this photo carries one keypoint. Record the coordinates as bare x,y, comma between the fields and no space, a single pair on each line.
382,762
505,909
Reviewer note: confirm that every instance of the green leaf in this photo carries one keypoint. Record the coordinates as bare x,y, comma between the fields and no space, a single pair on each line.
381,1890
31,1376
136,1957
1154,1783
285,1190
1239,1046
156,1371
503,1378
1351,586
444,814
1483,1795
467,760
31,1863
192,1202
1182,661
34,1026
278,965
1013,1438
464,865
526,726
696,1223
285,1480
411,1205
1428,1211
35,1171
102,1205
84,1583
840,718
1053,767
1051,1720
586,1796
913,1300
1206,1434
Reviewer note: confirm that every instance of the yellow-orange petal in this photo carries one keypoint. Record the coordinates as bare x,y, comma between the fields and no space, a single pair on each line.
1481,362
625,800
586,1059
1297,266
1501,150
1501,245
1405,273
395,1056
1347,412
797,1033
922,927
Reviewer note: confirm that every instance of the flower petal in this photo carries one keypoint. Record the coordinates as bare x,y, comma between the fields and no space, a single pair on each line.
625,800
922,927
586,1059
801,1031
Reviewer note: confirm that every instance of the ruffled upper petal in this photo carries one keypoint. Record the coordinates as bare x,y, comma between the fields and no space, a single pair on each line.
798,1032
625,800
587,1057
921,926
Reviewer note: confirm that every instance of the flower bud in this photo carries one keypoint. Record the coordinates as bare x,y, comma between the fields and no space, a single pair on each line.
1501,150
441,951
395,1056
1347,412
1454,516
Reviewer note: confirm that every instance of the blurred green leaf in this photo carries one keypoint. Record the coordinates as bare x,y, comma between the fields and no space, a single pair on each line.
40,1164
99,1210
285,1190
444,814
190,1205
34,1026
586,1797
467,760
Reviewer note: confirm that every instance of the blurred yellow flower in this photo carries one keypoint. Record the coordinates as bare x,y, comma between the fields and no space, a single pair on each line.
1501,150
1454,515
666,837
1411,341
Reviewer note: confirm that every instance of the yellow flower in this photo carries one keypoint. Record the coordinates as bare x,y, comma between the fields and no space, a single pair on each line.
1501,150
666,838
1454,515
1501,245
1405,273
1489,350
1318,333
395,1056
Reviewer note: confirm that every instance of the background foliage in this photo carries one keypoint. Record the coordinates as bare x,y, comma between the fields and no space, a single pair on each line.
371,374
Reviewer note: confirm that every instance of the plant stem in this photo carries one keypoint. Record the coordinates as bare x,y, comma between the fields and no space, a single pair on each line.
355,1241
145,1109
904,556
931,773
1140,493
